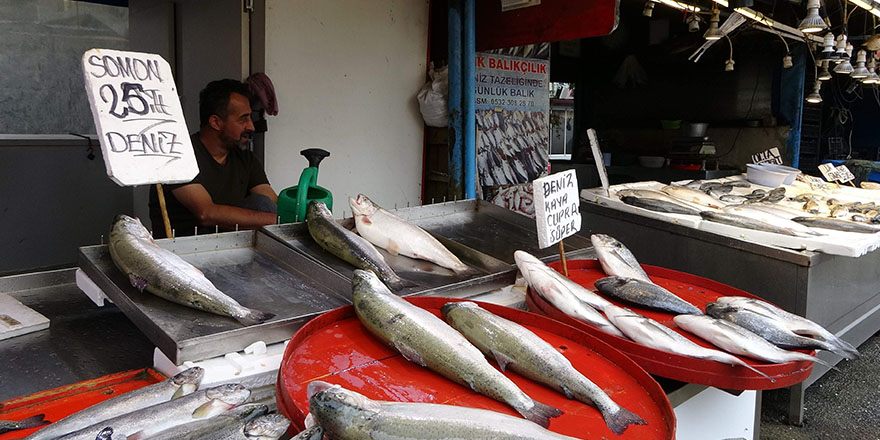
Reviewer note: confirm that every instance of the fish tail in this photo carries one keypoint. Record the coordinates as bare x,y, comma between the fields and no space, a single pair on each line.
845,348
744,364
541,413
619,420
255,317
33,421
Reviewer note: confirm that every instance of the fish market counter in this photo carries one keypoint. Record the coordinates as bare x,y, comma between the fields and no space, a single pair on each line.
838,292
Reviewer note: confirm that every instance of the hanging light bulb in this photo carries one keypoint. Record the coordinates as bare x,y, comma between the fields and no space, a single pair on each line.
840,53
728,65
872,78
693,22
824,74
815,97
649,8
786,61
714,33
860,72
827,48
812,23
845,67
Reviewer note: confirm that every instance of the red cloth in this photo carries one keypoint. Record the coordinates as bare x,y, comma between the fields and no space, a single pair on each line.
261,87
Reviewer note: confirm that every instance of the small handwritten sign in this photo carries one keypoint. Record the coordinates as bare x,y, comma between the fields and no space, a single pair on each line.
556,207
832,173
770,156
138,118
814,182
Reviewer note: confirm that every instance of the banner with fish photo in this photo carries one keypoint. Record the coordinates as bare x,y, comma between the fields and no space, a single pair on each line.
513,113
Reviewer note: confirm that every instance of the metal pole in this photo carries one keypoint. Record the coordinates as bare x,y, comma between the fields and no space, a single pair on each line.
468,61
456,156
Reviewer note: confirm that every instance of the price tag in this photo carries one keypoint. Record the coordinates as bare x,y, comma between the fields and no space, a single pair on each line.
827,170
770,156
600,163
557,206
844,174
814,182
138,118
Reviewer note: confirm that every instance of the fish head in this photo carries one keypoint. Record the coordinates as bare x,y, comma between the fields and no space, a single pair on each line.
367,281
130,225
339,410
610,283
232,393
188,381
313,433
718,309
268,427
458,305
362,205
318,209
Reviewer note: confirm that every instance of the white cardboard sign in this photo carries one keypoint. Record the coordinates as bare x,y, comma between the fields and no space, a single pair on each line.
769,156
840,173
138,118
557,207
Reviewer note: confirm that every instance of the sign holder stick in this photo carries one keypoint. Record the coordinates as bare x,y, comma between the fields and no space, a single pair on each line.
562,257
165,219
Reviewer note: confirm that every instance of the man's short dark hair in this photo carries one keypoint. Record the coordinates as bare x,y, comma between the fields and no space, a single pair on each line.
214,98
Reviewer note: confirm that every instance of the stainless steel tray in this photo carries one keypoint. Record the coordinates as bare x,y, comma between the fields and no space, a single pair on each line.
487,228
428,277
249,266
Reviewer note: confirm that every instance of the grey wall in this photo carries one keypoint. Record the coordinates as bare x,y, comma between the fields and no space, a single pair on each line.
53,200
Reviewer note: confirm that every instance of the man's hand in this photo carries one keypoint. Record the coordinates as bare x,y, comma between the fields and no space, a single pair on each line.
197,200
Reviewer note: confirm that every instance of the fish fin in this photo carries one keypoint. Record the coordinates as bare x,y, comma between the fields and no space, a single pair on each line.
541,413
33,422
410,354
255,317
618,421
210,409
139,283
393,248
502,359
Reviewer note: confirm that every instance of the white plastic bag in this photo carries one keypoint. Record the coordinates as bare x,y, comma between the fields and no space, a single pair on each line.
433,98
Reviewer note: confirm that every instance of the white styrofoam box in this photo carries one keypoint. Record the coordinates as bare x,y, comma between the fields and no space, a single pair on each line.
17,319
255,366
715,414
90,288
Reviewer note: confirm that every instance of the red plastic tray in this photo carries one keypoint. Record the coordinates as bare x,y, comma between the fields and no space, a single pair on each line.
335,347
699,292
63,401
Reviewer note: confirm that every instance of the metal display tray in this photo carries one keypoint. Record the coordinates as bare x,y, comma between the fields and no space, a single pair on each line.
487,228
254,269
428,277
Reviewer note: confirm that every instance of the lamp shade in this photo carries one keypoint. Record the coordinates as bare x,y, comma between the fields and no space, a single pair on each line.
860,71
827,48
824,74
813,22
815,97
714,33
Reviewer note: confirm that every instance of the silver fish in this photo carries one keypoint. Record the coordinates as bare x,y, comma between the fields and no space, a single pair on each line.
742,221
616,259
347,415
795,323
164,274
657,195
221,426
660,205
424,339
733,198
769,328
314,433
769,218
267,427
839,211
861,218
515,347
28,423
836,224
156,418
811,206
652,334
395,235
179,385
692,195
645,294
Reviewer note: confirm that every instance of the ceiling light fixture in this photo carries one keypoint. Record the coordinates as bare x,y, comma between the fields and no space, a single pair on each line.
728,65
649,8
714,33
815,97
840,54
872,78
824,74
813,22
680,5
693,22
867,5
860,72
755,15
827,48
845,67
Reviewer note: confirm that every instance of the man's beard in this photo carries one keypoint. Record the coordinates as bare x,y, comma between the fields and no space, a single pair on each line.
231,143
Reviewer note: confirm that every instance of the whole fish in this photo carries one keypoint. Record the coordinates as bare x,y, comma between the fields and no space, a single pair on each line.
397,236
659,205
267,427
836,224
795,323
164,274
645,294
517,348
769,328
778,210
839,211
424,339
742,221
616,259
314,433
692,195
569,297
348,246
145,422
652,334
737,340
870,185
221,426
771,219
347,415
183,383
811,206
28,423
656,195
733,199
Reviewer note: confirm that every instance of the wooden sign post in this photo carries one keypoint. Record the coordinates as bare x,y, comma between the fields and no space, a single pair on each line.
600,163
557,210
139,120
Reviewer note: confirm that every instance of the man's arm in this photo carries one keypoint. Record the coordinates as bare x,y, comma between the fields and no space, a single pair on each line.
266,190
197,200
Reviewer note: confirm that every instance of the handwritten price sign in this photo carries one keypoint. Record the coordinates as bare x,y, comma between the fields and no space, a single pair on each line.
557,206
138,118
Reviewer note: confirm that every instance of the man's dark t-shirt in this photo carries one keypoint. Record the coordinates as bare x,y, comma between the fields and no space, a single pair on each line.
228,184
